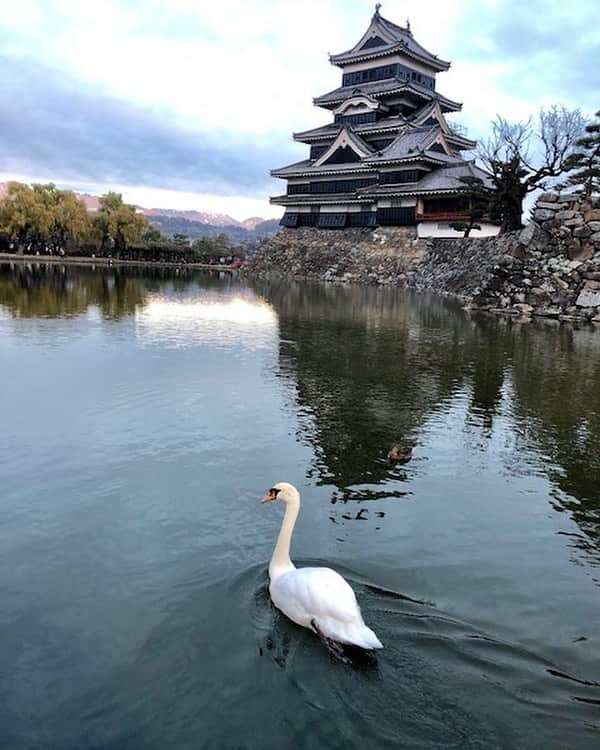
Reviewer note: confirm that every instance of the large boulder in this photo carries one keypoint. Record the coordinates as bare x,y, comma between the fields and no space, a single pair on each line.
589,296
543,214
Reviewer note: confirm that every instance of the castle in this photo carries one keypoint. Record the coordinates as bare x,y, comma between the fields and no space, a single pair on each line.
389,158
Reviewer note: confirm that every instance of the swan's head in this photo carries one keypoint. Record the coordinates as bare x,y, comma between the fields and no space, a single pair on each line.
283,491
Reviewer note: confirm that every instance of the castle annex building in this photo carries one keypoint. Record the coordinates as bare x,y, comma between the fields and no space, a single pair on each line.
389,158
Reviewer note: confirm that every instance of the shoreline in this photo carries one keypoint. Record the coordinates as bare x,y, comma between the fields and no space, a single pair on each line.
86,260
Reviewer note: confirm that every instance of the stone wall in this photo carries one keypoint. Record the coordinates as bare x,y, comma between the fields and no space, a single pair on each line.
363,256
550,268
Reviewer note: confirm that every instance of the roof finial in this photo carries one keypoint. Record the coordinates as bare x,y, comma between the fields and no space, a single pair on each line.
408,25
377,7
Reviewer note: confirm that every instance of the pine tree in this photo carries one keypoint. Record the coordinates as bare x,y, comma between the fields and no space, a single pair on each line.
478,198
585,162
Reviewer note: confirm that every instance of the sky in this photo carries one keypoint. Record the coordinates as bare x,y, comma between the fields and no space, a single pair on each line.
189,103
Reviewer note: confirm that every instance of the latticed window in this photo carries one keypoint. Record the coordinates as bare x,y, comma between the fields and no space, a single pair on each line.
396,216
362,219
358,119
289,219
341,186
383,72
332,221
298,188
400,177
308,220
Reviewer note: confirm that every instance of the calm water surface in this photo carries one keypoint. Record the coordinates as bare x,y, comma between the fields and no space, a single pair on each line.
143,416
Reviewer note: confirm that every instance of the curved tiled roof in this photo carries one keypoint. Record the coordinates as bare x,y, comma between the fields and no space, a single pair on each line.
444,179
386,87
396,39
331,129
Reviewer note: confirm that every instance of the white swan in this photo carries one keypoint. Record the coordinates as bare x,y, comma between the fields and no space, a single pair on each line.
316,598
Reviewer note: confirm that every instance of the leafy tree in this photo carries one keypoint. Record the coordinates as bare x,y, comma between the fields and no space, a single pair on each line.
213,247
479,198
119,222
20,216
524,156
585,162
181,240
153,235
63,218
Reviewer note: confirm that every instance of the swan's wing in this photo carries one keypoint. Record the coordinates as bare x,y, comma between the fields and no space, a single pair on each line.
322,595
318,592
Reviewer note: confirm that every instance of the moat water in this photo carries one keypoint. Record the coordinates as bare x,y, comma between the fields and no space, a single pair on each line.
143,415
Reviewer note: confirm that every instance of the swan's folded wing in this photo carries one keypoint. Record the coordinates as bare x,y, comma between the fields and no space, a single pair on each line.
319,593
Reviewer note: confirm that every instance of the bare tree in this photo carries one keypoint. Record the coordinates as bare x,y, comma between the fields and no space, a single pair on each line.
524,156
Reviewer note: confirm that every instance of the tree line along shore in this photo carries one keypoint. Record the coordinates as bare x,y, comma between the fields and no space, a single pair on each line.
41,220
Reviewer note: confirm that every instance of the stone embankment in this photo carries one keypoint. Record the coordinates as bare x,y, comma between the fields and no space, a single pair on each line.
360,256
551,268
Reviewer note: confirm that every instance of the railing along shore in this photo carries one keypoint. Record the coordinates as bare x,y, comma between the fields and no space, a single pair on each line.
87,260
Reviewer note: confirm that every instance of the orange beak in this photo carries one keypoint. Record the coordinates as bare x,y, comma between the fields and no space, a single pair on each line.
269,497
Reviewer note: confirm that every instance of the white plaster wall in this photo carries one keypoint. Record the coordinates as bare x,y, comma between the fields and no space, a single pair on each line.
442,229
334,209
396,202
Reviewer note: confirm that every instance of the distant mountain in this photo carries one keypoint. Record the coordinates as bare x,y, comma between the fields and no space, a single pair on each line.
202,217
176,224
194,224
171,221
252,223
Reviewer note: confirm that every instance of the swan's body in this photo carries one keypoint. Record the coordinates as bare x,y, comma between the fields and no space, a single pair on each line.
316,598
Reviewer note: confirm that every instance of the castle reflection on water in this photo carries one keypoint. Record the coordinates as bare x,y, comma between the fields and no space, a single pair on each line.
370,367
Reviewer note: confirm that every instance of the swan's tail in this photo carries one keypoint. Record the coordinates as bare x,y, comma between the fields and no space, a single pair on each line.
352,633
366,638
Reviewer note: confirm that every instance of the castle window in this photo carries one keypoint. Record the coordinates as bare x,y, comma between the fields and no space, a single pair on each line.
332,221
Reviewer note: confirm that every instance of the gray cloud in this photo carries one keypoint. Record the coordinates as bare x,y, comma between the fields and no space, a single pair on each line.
550,55
54,125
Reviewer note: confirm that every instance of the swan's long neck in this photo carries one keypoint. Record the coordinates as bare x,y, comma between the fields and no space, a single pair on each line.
280,561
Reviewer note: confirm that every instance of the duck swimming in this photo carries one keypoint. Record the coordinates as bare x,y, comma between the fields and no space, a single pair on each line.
401,453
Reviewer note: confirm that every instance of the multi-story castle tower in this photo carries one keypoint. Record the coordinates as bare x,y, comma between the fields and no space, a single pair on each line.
389,157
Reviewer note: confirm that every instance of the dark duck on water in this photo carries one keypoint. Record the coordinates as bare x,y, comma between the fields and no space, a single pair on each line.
400,453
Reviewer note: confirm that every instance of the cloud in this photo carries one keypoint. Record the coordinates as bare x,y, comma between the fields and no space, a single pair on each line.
203,96
536,53
66,131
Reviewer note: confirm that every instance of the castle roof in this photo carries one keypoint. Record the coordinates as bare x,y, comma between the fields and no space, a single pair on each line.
383,38
385,88
332,128
444,179
307,168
